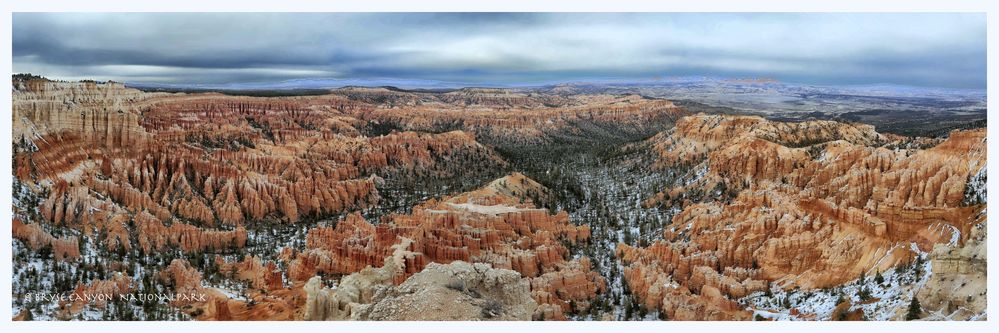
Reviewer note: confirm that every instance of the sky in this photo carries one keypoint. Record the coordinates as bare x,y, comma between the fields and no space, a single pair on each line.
919,49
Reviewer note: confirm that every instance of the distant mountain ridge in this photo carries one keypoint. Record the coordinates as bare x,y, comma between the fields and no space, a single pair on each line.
682,83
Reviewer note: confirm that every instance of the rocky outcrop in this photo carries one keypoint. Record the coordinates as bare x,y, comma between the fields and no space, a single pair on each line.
489,225
272,302
455,291
96,293
353,290
260,276
804,205
398,269
154,236
104,114
956,290
36,238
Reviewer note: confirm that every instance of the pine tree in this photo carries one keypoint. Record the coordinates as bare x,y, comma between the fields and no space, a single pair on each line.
628,310
840,299
45,251
878,278
919,266
915,310
864,294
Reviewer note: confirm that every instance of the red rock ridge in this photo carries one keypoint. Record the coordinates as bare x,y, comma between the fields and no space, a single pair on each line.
488,225
65,248
814,205
191,170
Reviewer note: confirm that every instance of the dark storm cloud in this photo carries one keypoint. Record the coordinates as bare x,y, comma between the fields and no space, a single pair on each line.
946,50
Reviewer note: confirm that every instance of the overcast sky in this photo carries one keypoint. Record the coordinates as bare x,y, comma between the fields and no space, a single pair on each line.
938,50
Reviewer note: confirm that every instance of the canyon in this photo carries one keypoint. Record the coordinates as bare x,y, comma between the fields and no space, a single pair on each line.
377,203
788,215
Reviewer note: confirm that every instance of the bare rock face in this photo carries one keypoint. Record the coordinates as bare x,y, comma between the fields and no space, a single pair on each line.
456,291
806,205
957,288
105,114
353,290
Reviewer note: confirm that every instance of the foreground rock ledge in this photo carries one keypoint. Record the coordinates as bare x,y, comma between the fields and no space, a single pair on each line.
455,291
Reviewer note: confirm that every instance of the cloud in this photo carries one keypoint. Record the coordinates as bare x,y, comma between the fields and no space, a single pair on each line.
945,49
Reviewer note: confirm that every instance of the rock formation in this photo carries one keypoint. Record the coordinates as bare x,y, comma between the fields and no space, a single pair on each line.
957,288
268,300
804,205
455,291
65,248
515,118
97,293
191,170
489,225
168,178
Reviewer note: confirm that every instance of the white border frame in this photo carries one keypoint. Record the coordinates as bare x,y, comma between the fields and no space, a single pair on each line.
989,7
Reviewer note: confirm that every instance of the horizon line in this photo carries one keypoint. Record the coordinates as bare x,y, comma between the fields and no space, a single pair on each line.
377,82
